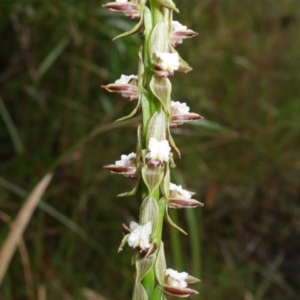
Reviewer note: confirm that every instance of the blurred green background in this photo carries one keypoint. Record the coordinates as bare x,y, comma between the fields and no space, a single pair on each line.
242,161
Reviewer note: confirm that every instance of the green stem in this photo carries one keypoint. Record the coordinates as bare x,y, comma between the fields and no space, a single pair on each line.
156,11
149,106
148,283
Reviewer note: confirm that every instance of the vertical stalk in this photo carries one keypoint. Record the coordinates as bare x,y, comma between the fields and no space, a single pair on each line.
150,101
151,164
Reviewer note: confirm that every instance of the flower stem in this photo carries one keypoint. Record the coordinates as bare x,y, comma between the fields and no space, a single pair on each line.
149,106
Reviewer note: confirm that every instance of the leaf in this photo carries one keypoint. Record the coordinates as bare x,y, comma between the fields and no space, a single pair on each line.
169,4
166,184
172,143
152,177
130,193
160,265
159,39
157,126
158,293
161,88
170,222
139,292
149,212
123,242
134,30
143,266
134,113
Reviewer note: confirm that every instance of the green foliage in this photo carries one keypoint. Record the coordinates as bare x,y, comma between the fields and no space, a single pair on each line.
243,160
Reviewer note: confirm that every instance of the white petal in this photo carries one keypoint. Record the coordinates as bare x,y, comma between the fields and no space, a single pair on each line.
140,235
182,108
176,26
124,78
121,1
133,225
173,186
159,150
180,191
169,61
178,278
125,159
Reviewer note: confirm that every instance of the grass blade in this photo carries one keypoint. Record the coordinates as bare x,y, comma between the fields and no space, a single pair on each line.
11,127
51,58
20,223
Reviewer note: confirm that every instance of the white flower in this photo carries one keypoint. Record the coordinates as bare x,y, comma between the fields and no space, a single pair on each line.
180,191
140,235
121,1
124,78
159,150
180,32
180,108
176,26
176,279
126,160
168,61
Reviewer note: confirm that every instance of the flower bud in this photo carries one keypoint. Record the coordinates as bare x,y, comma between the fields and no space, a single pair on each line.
180,114
126,85
126,166
180,32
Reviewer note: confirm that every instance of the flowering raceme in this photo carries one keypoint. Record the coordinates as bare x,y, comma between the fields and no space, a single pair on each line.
154,158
